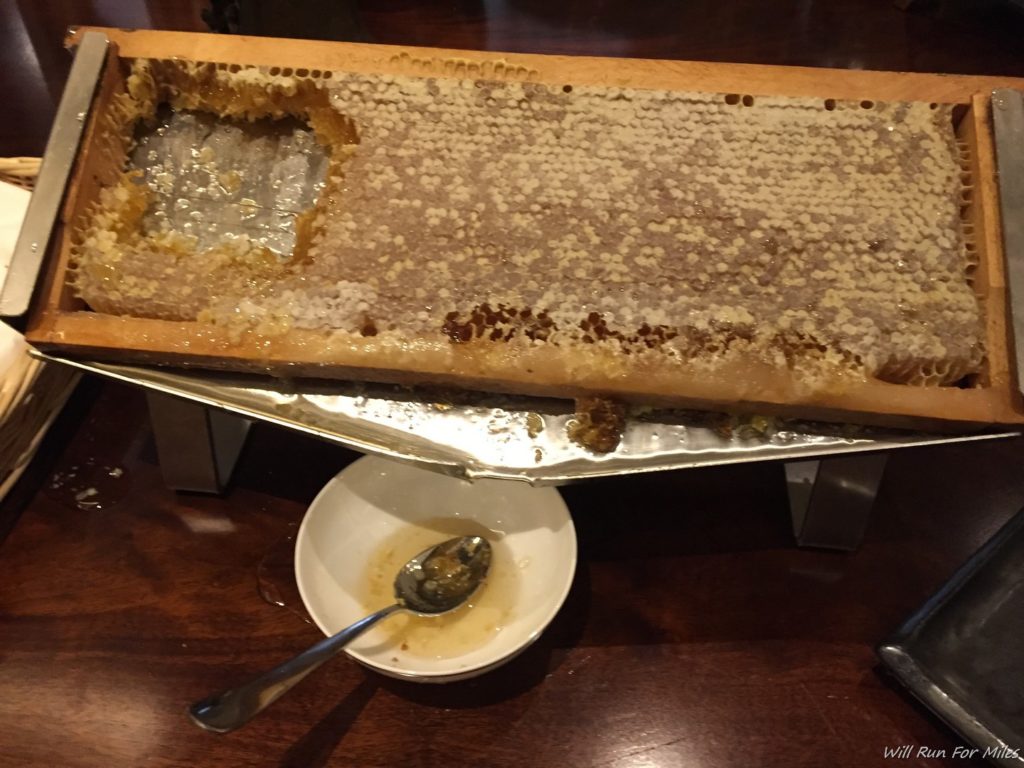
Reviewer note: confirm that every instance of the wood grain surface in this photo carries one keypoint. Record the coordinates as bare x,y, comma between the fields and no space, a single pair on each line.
695,634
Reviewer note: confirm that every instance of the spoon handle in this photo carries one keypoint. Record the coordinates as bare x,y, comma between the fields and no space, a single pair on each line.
227,710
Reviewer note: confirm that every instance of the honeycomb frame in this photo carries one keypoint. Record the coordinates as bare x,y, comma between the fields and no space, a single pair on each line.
59,323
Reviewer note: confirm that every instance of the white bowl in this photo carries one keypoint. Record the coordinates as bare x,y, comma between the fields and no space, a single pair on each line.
344,531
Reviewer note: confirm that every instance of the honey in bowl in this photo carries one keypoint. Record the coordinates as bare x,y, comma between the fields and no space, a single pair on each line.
451,634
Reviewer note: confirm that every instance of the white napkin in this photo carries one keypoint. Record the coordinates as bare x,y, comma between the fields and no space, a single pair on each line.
31,392
13,204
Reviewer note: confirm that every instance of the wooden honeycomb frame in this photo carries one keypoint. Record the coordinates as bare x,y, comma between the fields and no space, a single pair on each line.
59,322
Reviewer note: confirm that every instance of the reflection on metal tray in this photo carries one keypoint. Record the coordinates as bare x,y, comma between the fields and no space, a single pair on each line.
493,436
961,652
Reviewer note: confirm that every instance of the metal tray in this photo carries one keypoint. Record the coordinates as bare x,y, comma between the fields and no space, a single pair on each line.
962,653
489,436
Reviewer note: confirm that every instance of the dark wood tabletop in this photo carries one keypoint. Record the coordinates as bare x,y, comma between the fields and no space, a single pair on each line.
696,633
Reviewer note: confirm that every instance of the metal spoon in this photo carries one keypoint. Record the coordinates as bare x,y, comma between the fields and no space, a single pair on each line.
436,581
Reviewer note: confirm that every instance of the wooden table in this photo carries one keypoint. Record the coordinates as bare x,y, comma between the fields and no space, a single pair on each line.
695,635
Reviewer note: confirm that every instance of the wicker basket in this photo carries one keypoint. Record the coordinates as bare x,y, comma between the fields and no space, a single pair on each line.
32,392
20,171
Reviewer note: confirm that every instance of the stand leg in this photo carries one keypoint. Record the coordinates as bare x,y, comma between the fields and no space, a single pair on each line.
197,446
830,500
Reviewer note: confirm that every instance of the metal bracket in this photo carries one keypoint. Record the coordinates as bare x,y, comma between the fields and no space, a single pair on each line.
1008,124
61,150
830,500
198,447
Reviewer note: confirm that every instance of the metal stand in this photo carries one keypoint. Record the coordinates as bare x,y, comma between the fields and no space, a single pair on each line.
197,446
830,500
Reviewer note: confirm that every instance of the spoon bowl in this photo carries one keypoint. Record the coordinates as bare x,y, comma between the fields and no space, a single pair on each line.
441,578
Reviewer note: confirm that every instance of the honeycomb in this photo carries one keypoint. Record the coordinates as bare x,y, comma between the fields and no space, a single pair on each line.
822,237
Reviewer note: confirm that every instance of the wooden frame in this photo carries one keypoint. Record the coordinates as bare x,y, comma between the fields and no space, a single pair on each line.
58,323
